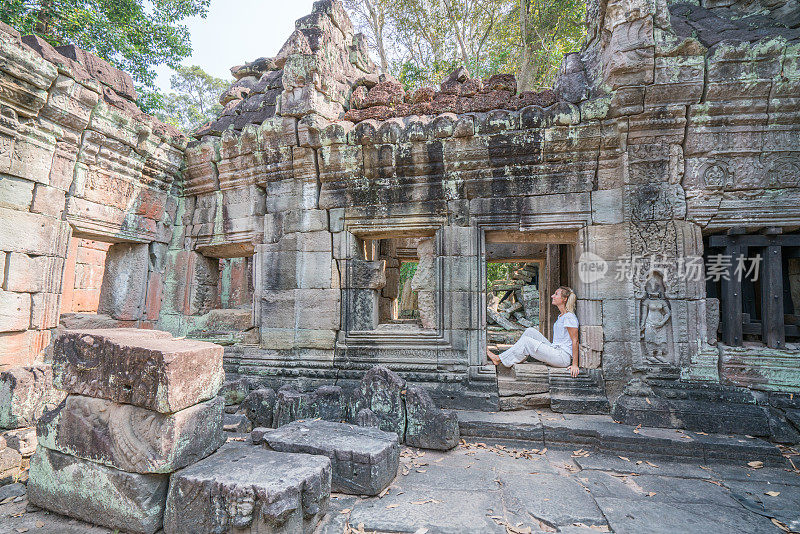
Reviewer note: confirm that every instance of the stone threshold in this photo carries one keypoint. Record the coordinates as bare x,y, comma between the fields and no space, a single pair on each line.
544,428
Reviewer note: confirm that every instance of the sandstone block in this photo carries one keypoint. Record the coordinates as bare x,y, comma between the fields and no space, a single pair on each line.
10,465
146,368
367,274
381,390
242,488
15,311
32,274
102,71
43,235
428,427
22,440
48,200
364,461
25,393
237,422
123,292
130,438
259,407
96,493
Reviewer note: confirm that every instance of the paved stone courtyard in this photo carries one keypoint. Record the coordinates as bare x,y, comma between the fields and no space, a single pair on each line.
503,487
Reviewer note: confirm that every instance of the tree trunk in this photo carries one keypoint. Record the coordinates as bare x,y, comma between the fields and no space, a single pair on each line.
43,18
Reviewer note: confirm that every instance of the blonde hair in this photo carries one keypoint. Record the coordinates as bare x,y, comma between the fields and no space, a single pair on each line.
571,297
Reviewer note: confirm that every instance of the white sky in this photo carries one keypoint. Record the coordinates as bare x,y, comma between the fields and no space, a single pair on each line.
236,31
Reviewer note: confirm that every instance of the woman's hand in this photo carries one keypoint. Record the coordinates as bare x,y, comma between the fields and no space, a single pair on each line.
574,370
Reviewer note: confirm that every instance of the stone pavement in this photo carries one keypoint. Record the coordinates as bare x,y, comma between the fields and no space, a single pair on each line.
507,487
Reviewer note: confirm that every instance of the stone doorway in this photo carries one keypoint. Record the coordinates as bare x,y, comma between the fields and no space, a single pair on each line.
522,271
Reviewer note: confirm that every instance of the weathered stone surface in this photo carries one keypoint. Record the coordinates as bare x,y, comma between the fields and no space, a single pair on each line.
10,465
699,406
122,295
259,407
140,367
288,406
363,460
235,391
25,393
381,391
130,438
249,489
237,422
428,427
367,418
16,489
96,493
22,440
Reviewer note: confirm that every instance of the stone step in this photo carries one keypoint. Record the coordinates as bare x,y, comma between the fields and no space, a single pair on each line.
586,404
541,428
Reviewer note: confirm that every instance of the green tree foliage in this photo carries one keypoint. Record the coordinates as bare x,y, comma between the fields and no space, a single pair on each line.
132,35
421,41
549,30
194,100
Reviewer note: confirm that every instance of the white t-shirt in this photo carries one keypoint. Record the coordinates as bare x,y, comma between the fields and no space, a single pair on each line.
561,337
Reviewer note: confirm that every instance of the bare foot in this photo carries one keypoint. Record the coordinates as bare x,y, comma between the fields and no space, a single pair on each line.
495,359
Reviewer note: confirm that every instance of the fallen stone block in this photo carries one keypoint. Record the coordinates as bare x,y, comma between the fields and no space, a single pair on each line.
252,488
25,393
130,438
428,427
96,493
16,489
367,418
237,422
288,406
364,461
146,368
235,391
381,390
259,407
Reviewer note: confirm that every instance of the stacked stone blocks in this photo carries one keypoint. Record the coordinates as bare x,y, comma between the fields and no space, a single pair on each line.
140,406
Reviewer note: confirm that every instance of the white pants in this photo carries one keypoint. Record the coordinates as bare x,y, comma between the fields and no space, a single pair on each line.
533,343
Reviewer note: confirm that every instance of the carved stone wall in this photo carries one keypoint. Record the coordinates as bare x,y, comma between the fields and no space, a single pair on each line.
77,160
657,132
675,121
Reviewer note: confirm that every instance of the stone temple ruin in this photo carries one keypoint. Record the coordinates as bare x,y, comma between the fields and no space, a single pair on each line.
663,165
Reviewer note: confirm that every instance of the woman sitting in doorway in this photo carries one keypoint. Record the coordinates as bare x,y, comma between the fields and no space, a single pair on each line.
562,352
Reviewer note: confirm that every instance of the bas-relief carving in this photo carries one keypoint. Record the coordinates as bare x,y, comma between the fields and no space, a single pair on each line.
655,323
769,170
716,176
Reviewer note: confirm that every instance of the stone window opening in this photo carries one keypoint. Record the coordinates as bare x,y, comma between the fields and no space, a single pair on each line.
391,285
223,301
111,284
756,307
